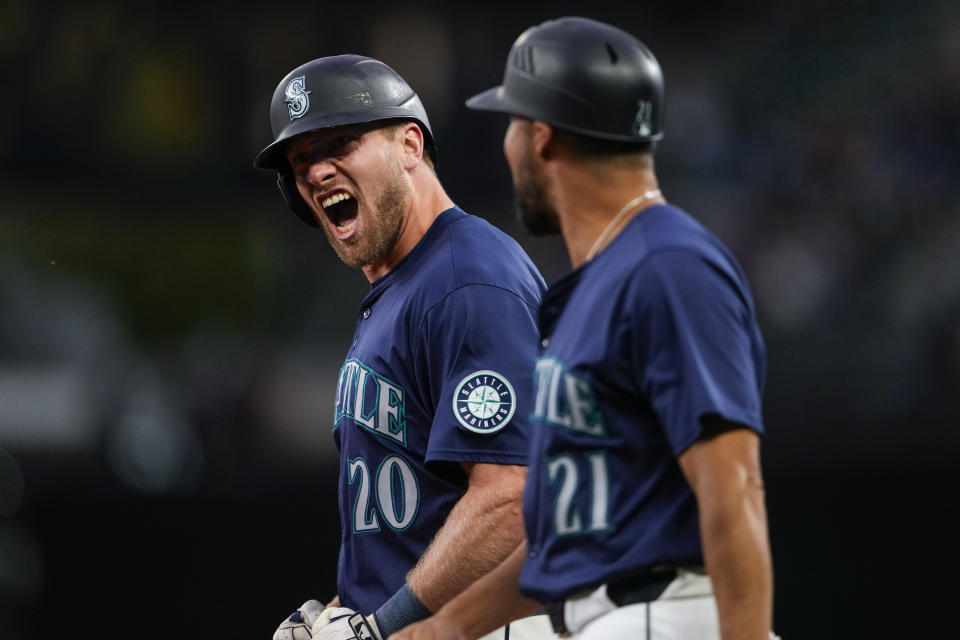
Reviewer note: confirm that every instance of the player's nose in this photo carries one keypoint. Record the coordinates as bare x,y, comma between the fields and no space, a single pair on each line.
321,170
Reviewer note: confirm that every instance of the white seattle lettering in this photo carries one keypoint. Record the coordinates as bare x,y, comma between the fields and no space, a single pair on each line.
553,401
387,417
388,409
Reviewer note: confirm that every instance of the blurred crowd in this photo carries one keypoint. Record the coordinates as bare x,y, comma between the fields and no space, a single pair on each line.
151,277
153,284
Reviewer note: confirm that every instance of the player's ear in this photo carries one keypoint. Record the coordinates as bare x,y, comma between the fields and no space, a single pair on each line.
411,141
542,139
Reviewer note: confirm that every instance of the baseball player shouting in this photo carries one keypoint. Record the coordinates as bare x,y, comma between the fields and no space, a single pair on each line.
644,505
434,395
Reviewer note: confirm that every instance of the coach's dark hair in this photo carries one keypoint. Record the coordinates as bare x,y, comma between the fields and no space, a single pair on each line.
591,148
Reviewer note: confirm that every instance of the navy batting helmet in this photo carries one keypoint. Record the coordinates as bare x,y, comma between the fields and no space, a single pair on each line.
331,92
583,76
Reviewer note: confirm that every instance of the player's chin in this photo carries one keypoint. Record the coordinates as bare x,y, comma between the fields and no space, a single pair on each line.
351,251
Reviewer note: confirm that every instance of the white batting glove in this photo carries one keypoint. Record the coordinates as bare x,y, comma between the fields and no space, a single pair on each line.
342,623
365,627
298,625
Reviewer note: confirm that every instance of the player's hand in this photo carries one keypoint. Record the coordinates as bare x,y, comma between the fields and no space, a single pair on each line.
437,627
297,626
341,623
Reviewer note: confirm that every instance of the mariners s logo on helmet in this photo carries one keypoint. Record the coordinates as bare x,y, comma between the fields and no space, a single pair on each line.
484,402
298,100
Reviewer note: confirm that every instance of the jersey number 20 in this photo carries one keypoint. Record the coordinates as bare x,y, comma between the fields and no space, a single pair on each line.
394,493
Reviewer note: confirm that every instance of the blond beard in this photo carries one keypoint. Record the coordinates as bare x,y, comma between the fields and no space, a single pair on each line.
381,228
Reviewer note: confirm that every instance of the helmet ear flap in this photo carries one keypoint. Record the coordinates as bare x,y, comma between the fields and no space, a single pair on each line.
291,196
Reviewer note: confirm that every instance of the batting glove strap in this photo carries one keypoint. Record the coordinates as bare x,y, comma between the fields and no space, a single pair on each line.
365,627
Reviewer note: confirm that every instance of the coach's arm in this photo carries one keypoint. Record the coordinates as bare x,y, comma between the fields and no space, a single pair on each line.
483,528
723,468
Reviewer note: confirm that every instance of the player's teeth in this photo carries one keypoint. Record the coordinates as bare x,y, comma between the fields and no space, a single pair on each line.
335,198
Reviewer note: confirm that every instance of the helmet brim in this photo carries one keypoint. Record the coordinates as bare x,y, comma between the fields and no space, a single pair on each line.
271,157
274,156
495,99
492,99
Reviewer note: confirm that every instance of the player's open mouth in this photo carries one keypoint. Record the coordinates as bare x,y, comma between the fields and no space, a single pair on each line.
341,210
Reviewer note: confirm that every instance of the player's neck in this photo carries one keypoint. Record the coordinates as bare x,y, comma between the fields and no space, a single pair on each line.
587,203
425,202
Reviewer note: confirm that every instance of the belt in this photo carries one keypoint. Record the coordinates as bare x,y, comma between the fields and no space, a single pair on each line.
625,591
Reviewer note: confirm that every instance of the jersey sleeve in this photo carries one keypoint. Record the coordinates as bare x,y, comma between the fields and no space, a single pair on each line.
477,351
695,346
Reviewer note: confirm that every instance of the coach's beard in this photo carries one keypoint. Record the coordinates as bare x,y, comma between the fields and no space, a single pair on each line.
532,206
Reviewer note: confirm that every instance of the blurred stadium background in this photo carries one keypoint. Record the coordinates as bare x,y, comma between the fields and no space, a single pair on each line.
170,334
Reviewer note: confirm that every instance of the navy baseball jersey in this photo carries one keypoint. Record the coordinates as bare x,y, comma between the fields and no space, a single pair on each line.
439,373
643,342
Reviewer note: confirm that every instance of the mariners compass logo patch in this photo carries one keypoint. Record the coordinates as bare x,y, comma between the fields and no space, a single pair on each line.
484,402
298,98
